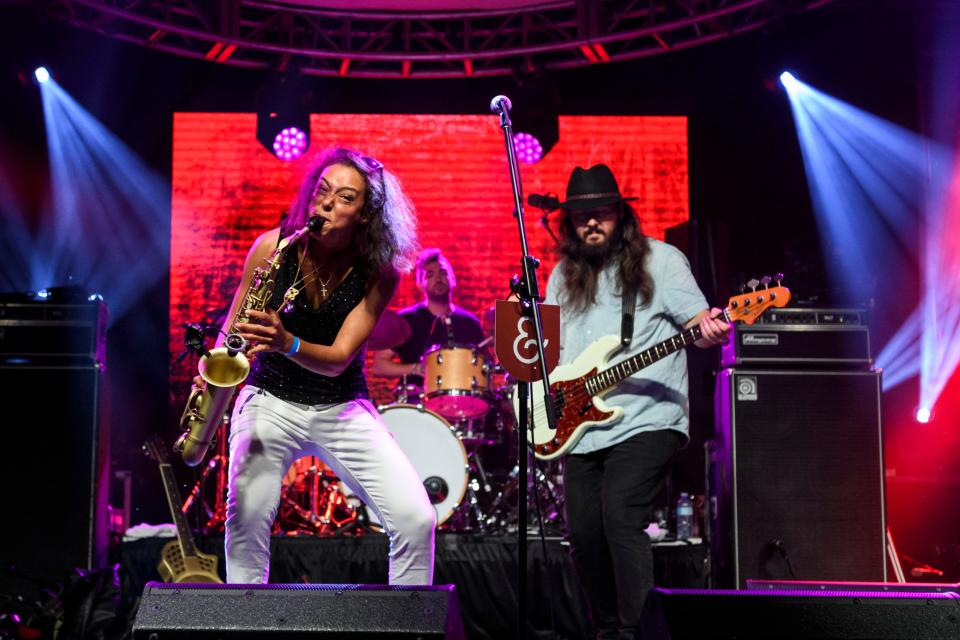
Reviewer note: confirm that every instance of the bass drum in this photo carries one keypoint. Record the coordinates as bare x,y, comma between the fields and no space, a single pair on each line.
435,452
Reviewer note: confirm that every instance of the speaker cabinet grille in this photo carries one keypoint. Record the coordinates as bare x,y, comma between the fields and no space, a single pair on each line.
679,614
298,611
797,477
55,466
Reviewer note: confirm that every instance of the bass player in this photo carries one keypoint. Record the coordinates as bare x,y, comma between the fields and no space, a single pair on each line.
613,473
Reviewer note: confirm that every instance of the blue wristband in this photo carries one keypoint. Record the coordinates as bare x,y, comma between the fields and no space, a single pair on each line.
294,348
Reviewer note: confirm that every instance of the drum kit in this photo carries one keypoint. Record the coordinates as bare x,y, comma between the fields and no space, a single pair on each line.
458,430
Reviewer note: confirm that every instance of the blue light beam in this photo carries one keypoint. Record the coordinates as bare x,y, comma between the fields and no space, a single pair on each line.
108,227
883,194
900,357
16,241
867,181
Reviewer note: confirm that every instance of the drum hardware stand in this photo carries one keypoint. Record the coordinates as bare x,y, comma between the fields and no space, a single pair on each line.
478,483
319,517
216,515
527,290
545,490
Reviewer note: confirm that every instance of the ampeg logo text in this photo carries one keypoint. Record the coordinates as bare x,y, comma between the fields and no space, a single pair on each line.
761,339
747,388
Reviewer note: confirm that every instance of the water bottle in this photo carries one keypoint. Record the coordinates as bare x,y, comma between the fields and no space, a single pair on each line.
684,517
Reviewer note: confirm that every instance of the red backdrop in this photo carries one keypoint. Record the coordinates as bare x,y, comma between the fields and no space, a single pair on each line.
227,189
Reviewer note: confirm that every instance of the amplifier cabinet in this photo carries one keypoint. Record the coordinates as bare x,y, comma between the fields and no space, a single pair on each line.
796,477
817,346
45,331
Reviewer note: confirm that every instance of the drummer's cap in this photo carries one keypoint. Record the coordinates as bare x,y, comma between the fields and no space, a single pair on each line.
433,254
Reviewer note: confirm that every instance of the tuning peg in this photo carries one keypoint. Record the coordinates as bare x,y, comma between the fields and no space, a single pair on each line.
778,277
765,281
743,288
753,283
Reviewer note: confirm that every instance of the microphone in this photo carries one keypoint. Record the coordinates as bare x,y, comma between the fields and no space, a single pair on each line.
499,104
545,202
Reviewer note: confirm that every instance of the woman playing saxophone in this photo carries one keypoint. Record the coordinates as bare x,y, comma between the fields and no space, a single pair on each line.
306,394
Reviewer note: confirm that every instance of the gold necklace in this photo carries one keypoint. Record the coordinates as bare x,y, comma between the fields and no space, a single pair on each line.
323,285
293,290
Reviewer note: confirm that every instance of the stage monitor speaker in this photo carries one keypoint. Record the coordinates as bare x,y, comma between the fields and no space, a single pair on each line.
357,612
54,470
796,478
810,615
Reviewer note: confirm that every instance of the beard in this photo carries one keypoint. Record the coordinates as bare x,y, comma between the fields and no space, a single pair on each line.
596,256
439,294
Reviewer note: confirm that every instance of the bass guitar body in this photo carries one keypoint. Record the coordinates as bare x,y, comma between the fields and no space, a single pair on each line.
577,410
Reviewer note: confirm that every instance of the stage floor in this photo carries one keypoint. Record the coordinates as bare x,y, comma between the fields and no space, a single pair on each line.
483,568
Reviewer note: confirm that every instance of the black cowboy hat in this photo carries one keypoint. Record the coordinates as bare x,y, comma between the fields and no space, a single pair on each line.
593,187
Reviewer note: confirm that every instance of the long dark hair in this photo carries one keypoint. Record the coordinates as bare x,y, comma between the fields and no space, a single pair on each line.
582,263
388,241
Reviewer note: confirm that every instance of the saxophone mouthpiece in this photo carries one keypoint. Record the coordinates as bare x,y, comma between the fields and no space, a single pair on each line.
314,223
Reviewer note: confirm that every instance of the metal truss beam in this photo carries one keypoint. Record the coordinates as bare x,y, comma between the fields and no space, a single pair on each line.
558,34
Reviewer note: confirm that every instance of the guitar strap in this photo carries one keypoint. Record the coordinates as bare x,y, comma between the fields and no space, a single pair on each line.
629,309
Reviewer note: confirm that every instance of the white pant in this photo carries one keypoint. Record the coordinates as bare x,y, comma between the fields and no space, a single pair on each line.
267,434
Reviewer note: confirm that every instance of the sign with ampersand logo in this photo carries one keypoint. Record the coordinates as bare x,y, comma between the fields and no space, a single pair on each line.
516,343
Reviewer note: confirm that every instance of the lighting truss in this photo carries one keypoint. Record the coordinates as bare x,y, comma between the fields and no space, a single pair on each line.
558,34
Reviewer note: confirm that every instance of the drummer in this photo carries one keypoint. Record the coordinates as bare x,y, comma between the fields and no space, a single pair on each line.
434,321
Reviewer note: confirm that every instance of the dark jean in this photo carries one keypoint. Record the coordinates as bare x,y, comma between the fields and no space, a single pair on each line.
609,496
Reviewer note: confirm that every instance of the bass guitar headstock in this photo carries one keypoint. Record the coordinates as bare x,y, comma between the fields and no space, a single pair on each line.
748,305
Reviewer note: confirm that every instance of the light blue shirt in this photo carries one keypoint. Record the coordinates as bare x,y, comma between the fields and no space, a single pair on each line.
655,397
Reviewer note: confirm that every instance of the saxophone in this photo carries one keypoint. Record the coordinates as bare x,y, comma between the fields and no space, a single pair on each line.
225,367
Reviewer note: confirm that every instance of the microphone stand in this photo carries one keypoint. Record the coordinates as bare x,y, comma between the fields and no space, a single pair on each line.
528,291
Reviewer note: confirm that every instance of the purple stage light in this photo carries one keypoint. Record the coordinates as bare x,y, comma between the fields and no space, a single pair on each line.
41,74
528,148
290,144
923,415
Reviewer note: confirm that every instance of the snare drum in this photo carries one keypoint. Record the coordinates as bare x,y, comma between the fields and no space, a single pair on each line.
435,452
456,381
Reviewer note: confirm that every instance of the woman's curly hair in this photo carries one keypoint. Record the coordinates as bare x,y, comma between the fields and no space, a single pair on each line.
388,242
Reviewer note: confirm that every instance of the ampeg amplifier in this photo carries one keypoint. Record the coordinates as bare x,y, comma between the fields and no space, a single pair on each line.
798,338
46,332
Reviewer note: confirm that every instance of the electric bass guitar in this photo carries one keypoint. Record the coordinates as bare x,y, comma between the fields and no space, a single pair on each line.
180,561
578,388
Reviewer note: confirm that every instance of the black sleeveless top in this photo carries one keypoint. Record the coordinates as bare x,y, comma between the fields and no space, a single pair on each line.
287,380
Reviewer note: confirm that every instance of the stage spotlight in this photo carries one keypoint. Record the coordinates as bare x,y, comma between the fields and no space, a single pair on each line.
787,79
41,74
283,122
923,415
285,133
535,117
290,144
529,150
535,132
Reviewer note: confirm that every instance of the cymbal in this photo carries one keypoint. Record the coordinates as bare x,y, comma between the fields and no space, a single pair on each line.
391,331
